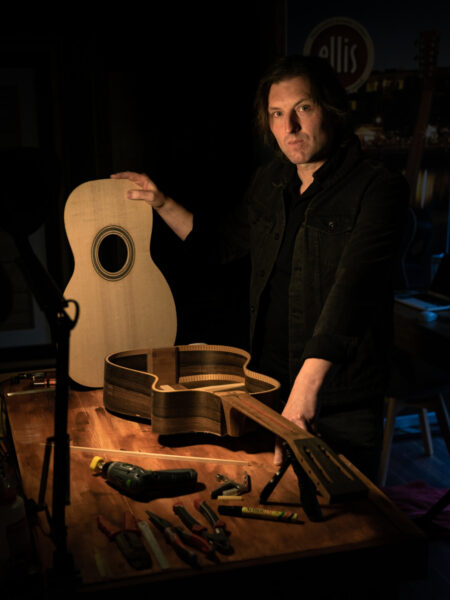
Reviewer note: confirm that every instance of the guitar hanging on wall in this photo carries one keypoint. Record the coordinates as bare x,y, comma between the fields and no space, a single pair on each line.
428,52
124,300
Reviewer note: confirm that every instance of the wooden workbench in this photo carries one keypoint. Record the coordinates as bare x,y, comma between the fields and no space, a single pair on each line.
364,544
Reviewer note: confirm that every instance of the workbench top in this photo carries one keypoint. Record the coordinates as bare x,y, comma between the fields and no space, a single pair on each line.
371,533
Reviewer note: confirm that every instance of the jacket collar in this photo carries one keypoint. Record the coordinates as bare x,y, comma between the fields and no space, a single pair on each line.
337,166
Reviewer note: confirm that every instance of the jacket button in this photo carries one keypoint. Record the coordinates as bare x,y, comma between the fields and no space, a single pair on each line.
252,308
277,236
331,225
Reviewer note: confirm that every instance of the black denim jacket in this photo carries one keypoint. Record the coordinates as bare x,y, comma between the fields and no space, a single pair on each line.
340,293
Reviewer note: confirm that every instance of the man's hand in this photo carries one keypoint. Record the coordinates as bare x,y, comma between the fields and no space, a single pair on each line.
176,216
148,191
302,407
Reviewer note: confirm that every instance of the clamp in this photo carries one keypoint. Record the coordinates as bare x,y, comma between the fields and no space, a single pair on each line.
230,487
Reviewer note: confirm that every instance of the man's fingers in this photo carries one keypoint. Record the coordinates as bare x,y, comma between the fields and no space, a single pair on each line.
301,421
294,418
140,178
152,197
146,195
278,454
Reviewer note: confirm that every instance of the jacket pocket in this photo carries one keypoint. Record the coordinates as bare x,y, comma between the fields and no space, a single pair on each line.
331,224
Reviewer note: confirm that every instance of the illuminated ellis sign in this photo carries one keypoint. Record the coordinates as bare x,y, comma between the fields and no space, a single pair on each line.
347,46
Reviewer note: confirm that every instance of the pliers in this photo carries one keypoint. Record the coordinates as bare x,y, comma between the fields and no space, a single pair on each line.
177,537
219,538
128,539
230,487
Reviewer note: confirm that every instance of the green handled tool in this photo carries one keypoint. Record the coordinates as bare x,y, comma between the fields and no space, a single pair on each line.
136,481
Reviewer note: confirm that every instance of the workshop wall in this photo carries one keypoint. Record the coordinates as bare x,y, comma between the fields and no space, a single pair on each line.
170,93
411,67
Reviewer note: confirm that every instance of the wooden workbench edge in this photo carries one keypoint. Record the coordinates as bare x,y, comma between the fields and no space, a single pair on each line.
387,507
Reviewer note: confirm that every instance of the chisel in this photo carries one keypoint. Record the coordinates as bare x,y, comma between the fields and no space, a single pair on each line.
147,533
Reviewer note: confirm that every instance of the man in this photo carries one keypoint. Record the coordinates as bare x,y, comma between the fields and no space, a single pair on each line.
322,226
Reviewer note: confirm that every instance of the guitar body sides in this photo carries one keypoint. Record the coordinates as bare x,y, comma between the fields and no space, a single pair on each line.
178,388
124,305
204,388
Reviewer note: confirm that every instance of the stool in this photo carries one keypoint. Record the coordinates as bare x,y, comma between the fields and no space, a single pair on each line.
418,386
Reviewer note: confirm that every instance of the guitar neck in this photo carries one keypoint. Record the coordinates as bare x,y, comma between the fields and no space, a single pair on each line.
428,50
263,415
416,149
332,478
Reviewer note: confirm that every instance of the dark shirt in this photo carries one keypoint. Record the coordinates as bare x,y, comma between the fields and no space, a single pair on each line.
270,348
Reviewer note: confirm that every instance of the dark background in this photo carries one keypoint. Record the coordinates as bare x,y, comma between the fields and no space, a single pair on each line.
167,90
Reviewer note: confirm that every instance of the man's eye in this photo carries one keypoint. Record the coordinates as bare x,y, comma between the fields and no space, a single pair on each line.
276,113
304,108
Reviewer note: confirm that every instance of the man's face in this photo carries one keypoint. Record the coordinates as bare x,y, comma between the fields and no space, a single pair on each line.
297,122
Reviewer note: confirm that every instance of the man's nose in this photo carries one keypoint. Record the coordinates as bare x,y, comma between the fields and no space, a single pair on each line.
293,122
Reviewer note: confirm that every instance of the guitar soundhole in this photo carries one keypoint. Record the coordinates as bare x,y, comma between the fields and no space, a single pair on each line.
113,252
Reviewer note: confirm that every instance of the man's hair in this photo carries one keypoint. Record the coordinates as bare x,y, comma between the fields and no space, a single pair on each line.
326,91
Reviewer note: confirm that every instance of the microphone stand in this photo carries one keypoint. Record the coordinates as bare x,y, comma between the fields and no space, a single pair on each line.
53,304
